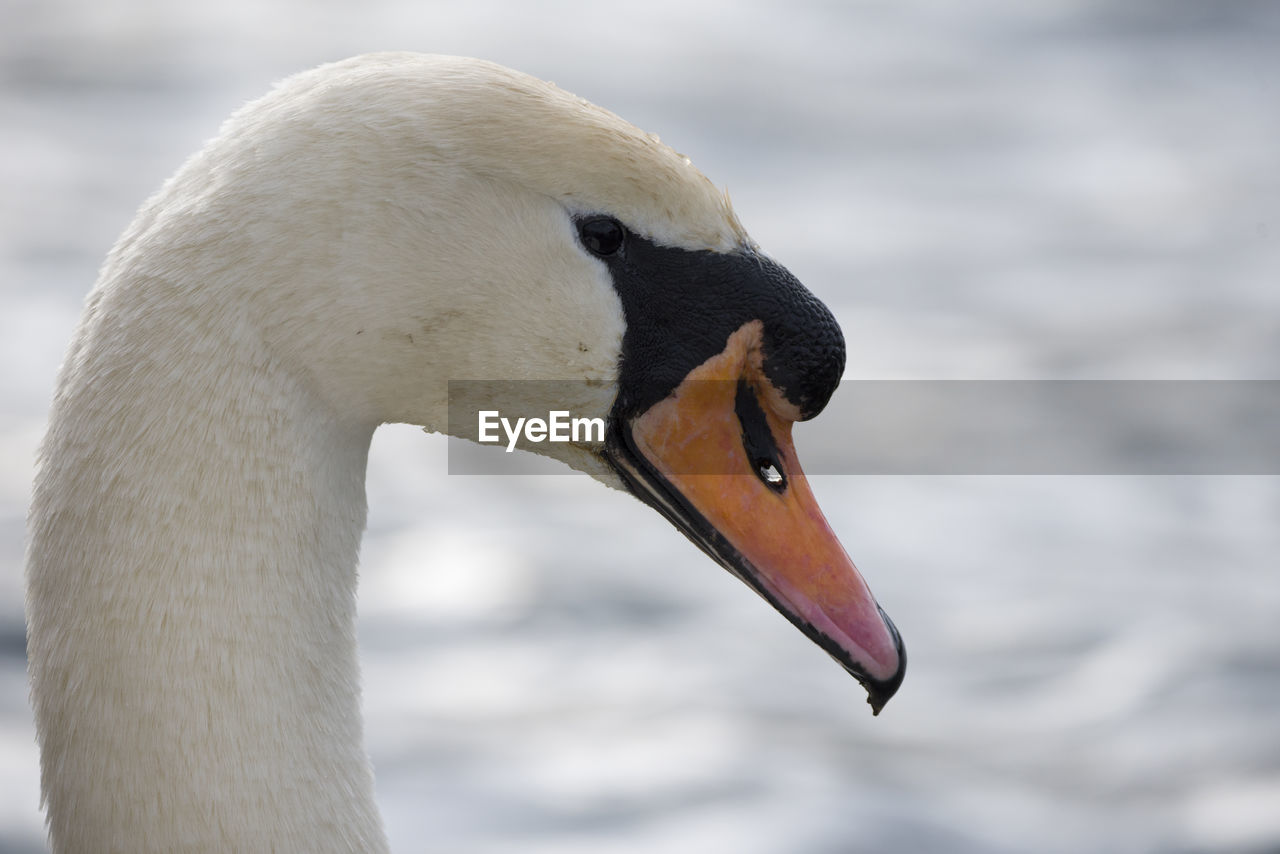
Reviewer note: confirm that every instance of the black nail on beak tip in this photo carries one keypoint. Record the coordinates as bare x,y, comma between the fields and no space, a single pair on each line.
880,691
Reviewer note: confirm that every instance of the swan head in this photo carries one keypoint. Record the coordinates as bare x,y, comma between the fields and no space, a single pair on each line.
395,222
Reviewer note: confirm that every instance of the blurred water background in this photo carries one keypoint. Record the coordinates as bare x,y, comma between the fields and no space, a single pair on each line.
995,189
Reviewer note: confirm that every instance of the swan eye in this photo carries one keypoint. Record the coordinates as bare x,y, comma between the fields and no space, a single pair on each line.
602,235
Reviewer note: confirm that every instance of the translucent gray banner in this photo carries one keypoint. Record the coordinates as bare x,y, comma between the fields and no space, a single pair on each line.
959,427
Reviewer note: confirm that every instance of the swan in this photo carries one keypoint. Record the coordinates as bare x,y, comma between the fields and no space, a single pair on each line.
342,249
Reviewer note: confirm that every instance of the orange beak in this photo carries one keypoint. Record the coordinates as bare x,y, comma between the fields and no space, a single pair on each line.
716,459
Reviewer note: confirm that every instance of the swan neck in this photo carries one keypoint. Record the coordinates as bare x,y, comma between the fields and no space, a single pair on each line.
191,602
